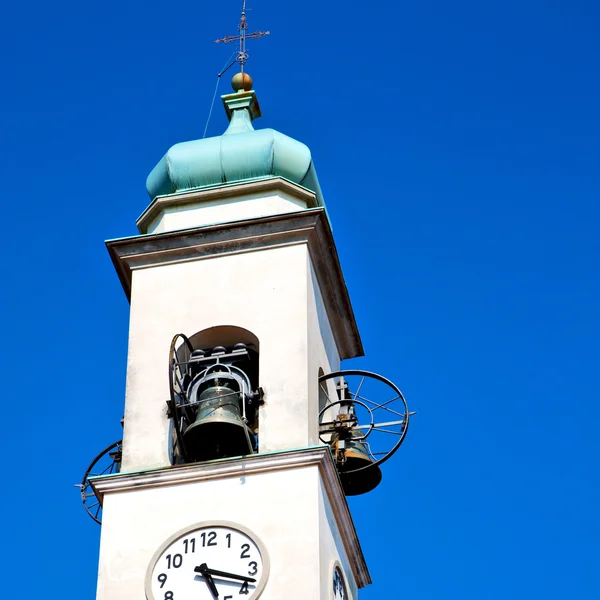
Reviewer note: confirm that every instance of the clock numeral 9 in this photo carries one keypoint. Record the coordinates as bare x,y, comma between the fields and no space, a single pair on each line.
163,579
176,561
252,568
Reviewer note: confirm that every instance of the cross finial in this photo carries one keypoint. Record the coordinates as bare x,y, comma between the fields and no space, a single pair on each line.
241,37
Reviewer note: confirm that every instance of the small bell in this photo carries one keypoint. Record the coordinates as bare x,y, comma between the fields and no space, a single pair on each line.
358,472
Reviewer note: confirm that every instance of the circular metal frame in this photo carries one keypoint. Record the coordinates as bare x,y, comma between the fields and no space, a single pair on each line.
95,509
174,366
399,396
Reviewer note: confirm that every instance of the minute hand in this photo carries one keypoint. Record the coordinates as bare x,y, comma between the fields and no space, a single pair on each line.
229,575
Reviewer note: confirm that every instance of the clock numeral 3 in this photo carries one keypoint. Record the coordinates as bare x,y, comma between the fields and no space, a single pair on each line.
252,568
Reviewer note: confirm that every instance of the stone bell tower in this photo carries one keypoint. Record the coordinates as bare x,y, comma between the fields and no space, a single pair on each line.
236,254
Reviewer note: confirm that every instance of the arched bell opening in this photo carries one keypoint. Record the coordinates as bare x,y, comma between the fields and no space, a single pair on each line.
215,395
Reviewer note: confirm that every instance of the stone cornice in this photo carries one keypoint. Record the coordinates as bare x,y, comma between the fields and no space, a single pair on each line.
258,463
309,227
260,186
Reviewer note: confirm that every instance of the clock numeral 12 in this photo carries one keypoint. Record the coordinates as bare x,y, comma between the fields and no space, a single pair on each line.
209,540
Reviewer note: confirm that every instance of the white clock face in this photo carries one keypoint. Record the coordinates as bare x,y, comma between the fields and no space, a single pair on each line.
339,586
206,562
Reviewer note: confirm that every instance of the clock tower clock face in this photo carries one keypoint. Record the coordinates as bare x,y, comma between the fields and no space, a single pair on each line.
339,585
208,561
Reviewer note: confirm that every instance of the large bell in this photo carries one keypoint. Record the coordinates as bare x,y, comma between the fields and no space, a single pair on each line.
218,430
351,455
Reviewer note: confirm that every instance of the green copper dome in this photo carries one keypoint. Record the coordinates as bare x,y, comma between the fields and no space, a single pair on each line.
241,154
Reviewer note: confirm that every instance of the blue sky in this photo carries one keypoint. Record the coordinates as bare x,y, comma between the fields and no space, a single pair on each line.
457,146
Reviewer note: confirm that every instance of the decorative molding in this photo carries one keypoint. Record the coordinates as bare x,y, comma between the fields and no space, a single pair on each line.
224,192
319,456
239,100
310,227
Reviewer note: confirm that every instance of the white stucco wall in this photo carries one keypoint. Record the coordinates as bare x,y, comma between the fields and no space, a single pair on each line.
285,509
323,354
274,294
331,549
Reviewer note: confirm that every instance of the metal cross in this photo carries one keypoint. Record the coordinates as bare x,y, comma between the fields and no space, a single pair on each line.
242,36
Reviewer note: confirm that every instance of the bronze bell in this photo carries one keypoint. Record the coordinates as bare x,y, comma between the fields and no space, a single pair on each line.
218,430
351,454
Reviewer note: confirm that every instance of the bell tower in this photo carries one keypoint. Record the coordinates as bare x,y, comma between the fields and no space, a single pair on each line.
241,434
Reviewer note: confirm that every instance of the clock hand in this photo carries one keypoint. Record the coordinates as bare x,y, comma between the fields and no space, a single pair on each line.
200,569
203,570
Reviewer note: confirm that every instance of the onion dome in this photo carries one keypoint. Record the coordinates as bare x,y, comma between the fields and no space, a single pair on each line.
242,154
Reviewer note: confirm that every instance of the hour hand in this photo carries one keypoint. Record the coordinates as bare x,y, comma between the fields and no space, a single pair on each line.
205,572
225,574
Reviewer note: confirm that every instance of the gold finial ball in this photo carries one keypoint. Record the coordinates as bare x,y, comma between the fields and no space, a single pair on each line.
241,82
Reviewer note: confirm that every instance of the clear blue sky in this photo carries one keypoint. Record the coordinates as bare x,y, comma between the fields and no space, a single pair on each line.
457,145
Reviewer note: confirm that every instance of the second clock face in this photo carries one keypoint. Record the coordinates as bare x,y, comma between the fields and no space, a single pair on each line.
208,562
339,586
